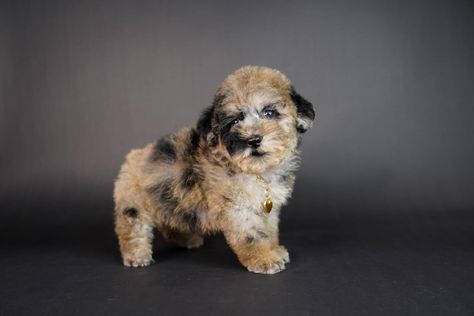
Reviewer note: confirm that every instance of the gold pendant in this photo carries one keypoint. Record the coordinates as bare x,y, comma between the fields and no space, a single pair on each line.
267,205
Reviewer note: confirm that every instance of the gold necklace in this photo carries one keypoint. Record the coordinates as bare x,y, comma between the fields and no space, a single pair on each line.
267,203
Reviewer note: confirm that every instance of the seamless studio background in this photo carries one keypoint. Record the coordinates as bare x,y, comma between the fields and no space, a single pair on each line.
381,218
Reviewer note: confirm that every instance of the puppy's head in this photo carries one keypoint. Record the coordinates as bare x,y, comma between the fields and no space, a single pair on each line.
256,118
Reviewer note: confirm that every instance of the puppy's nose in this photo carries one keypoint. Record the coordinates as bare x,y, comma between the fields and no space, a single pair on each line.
254,141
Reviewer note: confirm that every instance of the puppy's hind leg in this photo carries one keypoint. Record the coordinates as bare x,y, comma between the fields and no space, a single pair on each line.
135,234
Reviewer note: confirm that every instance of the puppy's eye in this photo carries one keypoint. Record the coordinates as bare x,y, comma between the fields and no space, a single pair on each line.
269,113
237,120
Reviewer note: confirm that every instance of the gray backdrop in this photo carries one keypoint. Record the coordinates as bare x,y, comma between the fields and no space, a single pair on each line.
382,217
83,82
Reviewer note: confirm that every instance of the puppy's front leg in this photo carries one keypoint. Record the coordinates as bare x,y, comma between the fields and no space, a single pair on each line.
254,239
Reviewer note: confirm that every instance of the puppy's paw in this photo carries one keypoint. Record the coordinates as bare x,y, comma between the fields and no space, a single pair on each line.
283,252
138,262
269,263
266,266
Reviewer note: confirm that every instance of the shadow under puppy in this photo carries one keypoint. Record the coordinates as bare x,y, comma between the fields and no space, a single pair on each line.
231,174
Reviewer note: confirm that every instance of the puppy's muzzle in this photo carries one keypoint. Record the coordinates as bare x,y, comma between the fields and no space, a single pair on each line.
255,141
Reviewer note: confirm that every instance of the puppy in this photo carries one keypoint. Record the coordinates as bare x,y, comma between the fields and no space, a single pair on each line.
231,173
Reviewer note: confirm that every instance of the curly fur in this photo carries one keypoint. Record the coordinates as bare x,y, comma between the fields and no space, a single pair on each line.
202,180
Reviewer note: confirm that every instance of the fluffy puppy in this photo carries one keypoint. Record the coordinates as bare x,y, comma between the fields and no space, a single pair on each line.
231,173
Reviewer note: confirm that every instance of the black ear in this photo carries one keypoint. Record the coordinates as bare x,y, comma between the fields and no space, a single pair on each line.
304,110
205,122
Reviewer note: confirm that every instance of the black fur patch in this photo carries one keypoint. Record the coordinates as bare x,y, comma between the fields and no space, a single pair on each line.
233,142
194,139
303,106
231,139
130,212
191,177
204,124
167,198
163,150
162,193
193,144
300,129
190,219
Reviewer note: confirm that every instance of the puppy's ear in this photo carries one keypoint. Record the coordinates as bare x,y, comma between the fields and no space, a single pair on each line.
206,122
304,110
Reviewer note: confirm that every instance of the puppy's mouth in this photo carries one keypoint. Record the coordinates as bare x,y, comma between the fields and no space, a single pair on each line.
257,153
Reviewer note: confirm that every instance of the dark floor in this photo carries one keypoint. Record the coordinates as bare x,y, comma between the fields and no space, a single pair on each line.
342,264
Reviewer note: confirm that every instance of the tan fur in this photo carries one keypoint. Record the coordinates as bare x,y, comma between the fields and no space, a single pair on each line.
202,180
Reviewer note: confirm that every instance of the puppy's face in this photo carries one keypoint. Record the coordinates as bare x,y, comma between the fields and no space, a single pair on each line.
256,119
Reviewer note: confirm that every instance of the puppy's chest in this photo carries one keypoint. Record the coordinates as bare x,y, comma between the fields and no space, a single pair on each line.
249,193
